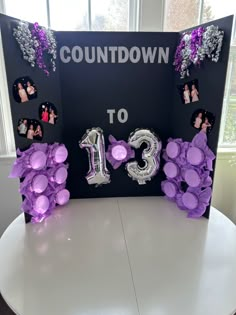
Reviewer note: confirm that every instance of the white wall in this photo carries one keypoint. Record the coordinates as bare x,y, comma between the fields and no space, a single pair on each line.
224,196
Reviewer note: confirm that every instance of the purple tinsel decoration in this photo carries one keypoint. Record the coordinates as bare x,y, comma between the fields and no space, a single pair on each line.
196,43
178,54
40,37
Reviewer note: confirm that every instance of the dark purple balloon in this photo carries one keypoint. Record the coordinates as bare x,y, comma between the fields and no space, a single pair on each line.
61,175
170,189
195,156
62,197
172,149
190,200
171,169
39,183
41,204
60,154
38,160
192,178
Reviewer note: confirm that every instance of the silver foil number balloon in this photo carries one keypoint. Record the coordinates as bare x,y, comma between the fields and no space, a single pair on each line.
150,155
93,141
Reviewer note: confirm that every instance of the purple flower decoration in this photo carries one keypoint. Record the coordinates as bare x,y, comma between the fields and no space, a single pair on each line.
189,162
199,153
118,152
195,201
44,179
176,150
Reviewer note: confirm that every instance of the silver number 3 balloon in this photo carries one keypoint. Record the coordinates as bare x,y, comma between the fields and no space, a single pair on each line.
150,155
93,141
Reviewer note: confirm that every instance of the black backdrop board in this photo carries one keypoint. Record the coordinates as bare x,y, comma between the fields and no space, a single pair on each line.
85,91
211,79
143,89
48,88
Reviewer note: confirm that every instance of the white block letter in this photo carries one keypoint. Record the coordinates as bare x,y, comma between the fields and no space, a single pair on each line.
123,112
134,51
111,113
77,54
123,54
163,54
149,54
63,50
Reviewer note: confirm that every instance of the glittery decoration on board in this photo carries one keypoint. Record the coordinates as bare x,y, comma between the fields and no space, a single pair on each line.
197,45
36,43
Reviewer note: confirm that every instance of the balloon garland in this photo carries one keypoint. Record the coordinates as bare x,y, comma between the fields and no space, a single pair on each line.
43,173
197,45
35,43
188,164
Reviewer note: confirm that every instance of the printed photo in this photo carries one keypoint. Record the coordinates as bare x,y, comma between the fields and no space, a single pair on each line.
30,129
48,113
189,92
203,120
24,90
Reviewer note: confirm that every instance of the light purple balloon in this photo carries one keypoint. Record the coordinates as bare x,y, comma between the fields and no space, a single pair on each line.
171,169
172,149
60,154
38,160
119,152
195,156
41,204
39,183
60,175
189,200
169,189
62,197
192,178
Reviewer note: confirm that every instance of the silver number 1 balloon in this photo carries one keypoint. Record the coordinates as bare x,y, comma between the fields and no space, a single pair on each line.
93,141
150,155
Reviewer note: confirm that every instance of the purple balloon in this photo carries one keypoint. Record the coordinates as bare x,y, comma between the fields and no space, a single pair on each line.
195,156
41,204
38,160
60,175
171,169
189,200
169,189
60,154
39,183
192,178
62,197
172,149
119,152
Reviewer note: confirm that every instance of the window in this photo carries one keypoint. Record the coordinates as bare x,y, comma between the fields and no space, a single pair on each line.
69,15
195,12
124,15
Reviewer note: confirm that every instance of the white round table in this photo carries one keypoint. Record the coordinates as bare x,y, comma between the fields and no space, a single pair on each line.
120,256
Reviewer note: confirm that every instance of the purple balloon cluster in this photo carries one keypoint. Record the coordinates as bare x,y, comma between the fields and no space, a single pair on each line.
43,173
188,164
